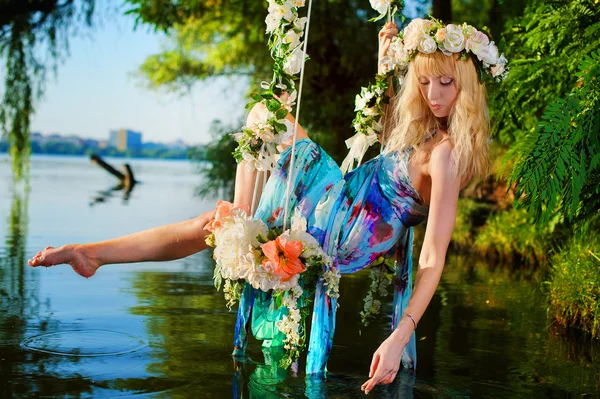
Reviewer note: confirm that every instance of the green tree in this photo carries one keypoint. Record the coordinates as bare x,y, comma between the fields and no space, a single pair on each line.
26,26
218,38
554,161
215,162
545,47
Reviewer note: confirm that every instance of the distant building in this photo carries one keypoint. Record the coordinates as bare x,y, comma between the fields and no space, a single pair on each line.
124,139
178,144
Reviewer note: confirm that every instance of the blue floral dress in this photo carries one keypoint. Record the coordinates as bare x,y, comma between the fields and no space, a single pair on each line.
357,218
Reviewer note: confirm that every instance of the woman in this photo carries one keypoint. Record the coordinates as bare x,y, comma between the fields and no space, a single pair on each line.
438,143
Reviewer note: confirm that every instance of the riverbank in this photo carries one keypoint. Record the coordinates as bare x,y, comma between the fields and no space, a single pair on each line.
564,258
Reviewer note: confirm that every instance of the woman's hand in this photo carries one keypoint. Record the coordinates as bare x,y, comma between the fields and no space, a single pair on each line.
387,33
386,359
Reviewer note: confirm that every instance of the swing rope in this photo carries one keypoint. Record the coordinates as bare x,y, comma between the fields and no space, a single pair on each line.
291,169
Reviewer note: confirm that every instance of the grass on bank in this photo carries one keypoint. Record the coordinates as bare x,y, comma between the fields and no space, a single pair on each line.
575,280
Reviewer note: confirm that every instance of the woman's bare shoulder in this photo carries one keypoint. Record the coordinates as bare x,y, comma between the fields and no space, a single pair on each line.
441,157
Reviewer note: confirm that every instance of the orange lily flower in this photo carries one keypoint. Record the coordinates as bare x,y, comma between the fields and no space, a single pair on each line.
285,256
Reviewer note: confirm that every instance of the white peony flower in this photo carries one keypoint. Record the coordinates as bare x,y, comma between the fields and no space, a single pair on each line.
381,6
293,63
414,31
235,242
298,3
478,44
454,39
427,44
491,56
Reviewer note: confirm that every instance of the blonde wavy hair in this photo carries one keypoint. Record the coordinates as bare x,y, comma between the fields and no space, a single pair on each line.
468,122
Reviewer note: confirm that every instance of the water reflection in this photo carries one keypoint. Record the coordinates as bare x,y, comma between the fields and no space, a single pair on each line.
485,333
103,196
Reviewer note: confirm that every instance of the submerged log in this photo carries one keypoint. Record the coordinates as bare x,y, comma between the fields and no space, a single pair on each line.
126,179
100,162
129,181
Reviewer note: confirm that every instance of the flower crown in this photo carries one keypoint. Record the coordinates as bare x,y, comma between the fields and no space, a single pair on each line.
428,36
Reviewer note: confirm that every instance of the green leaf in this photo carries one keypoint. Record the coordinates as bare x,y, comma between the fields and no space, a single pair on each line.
273,105
281,114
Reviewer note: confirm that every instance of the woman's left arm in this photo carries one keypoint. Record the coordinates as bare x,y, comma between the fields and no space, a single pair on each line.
440,223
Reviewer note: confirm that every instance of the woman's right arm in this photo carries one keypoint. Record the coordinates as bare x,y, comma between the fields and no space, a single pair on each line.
387,33
246,180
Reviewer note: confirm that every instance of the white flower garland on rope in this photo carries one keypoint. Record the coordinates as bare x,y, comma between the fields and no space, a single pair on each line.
288,262
257,144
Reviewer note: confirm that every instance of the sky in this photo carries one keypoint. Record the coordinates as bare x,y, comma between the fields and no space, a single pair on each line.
97,90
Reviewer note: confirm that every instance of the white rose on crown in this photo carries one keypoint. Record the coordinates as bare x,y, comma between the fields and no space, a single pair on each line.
414,31
478,44
427,45
491,56
452,39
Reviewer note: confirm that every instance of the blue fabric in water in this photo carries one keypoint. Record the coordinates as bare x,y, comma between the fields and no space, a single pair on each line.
357,218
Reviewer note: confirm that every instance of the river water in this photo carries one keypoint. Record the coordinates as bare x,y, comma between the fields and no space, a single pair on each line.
161,330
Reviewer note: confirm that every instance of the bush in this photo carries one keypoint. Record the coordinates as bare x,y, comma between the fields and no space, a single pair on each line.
511,236
575,284
469,216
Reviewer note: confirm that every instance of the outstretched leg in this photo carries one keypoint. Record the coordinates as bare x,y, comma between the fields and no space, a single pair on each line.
169,242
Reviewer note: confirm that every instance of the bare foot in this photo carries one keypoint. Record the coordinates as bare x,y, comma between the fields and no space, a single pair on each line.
73,255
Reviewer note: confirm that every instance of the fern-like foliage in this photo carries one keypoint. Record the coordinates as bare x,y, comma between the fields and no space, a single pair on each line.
556,167
544,49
